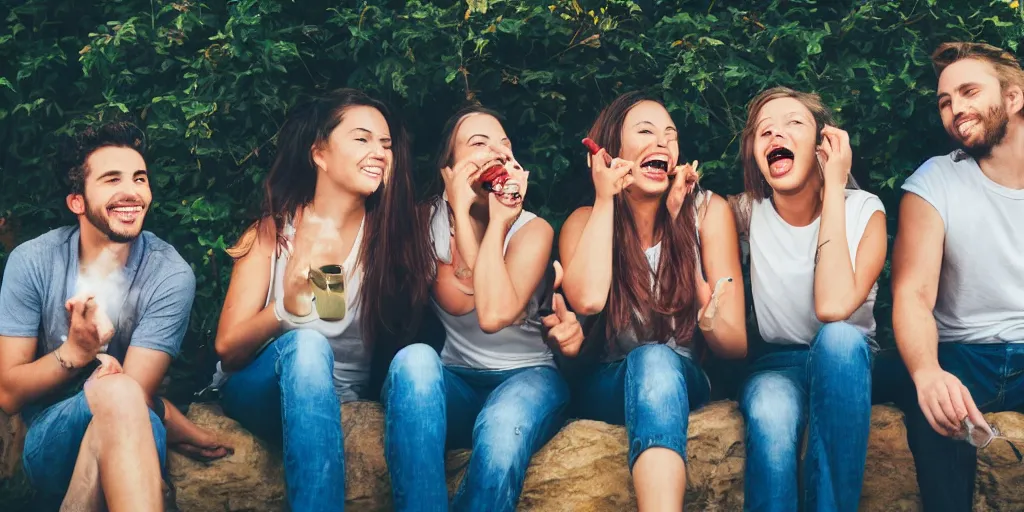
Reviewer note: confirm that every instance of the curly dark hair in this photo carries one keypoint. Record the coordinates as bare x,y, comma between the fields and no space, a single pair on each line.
76,149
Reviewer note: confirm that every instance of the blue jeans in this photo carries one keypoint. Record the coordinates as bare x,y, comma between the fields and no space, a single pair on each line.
994,374
292,380
825,387
53,440
505,416
651,392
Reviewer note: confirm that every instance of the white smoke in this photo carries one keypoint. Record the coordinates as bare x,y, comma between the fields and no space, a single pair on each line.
320,237
105,281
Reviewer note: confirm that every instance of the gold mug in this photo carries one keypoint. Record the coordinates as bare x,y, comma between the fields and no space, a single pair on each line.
328,284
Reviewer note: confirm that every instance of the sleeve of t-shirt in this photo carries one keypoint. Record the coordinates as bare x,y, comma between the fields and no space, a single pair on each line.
926,182
870,204
21,295
165,318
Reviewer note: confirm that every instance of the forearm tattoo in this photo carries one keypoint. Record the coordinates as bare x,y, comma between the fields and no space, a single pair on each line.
817,252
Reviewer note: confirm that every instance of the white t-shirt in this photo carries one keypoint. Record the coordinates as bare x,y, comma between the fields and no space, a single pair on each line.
981,285
782,271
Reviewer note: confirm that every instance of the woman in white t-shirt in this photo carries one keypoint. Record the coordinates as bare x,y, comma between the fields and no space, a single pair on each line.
816,250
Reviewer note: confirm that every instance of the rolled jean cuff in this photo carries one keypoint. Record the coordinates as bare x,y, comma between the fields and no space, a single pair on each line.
676,443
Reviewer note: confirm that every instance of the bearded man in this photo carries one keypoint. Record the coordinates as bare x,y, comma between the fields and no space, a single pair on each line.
106,303
958,271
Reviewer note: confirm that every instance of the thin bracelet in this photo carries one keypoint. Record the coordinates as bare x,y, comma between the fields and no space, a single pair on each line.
67,366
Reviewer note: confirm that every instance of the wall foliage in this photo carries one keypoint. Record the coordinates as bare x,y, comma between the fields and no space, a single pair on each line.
211,80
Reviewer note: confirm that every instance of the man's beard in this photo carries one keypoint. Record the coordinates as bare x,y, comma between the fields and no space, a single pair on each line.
994,124
95,217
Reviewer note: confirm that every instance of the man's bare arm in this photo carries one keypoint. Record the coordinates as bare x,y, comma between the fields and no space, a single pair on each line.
23,378
916,264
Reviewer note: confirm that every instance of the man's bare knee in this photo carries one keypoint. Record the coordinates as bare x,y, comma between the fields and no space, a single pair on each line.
115,396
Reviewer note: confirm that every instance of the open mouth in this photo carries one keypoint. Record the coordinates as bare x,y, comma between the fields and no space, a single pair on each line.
494,178
655,167
127,214
780,161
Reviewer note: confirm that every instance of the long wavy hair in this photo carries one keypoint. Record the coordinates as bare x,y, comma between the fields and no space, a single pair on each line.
396,253
669,309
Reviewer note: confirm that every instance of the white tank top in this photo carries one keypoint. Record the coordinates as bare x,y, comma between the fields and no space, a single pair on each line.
351,356
981,284
782,271
466,344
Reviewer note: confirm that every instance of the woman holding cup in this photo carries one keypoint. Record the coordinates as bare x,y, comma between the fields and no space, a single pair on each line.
338,206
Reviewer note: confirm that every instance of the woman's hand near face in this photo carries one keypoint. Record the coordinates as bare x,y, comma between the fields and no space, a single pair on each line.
836,155
459,180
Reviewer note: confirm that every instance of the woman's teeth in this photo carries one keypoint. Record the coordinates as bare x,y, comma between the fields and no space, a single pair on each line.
376,172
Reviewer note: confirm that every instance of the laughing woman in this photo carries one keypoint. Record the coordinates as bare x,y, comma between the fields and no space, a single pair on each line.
495,387
339,192
643,256
816,250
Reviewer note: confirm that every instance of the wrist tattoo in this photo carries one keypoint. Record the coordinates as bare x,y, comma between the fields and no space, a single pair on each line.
817,252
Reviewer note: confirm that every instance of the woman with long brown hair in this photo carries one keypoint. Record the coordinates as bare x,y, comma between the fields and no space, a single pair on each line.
816,250
494,387
339,194
642,257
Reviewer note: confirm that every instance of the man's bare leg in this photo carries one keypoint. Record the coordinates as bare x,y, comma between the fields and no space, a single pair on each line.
85,494
118,451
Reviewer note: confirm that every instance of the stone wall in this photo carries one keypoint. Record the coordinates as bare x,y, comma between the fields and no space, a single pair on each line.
582,468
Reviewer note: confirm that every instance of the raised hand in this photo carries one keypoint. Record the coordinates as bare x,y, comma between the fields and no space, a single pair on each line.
562,330
612,177
89,331
507,203
686,178
306,247
836,155
461,179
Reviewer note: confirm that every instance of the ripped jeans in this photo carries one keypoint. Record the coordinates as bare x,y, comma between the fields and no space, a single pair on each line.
505,416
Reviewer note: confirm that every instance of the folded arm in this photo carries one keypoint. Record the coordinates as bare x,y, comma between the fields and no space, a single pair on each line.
504,282
839,288
588,232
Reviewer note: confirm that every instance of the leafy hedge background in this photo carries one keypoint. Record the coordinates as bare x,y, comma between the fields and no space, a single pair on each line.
211,80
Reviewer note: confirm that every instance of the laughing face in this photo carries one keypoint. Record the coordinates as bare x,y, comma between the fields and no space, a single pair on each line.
479,133
650,139
357,155
785,144
117,193
971,106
